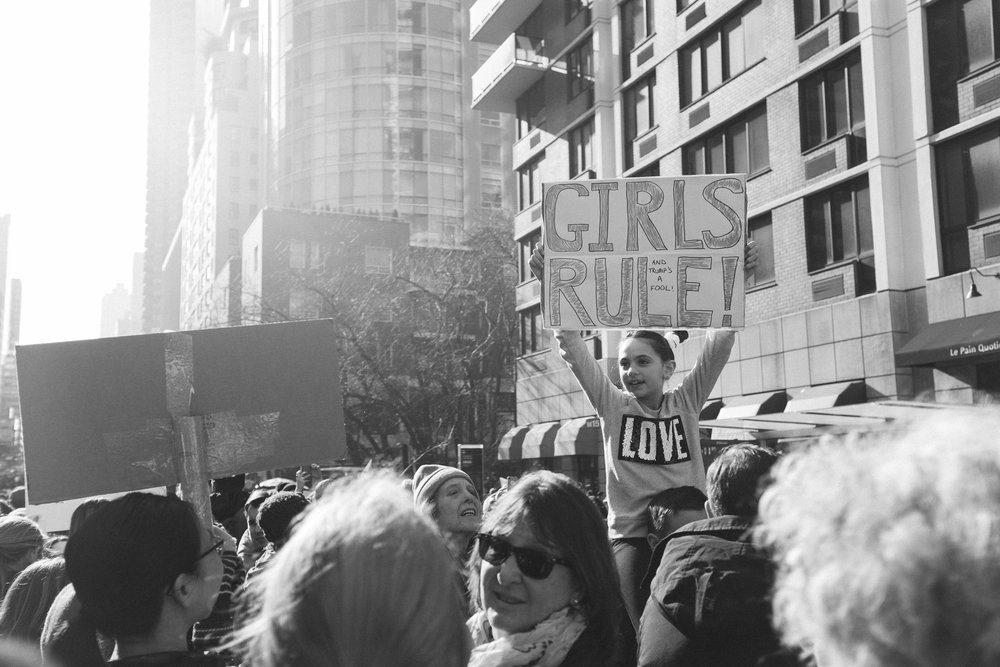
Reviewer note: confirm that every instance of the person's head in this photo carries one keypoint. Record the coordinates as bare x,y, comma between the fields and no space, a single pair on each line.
22,542
278,512
736,478
252,506
23,611
141,557
449,497
84,511
18,497
672,508
888,545
544,547
365,580
645,363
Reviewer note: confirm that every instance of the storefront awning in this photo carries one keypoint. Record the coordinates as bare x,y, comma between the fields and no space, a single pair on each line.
581,436
534,441
953,341
753,404
711,410
828,396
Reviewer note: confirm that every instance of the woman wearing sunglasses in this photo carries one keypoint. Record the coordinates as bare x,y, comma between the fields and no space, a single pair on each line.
543,580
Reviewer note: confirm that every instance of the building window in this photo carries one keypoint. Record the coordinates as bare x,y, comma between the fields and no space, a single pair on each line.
489,155
574,7
839,225
739,148
378,260
639,118
761,231
810,12
962,36
531,329
684,4
303,254
530,109
580,69
637,25
832,102
529,183
722,53
526,245
968,173
492,193
581,155
489,118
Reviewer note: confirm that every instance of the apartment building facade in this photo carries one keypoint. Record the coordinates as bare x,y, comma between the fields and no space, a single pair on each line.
870,135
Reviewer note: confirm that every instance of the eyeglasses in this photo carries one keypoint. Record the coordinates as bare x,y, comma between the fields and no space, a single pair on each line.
217,547
532,563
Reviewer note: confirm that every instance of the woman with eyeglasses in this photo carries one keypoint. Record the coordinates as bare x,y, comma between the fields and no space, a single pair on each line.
544,583
145,569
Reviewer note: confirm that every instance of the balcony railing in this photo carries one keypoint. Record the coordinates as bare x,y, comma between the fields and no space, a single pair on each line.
516,64
492,21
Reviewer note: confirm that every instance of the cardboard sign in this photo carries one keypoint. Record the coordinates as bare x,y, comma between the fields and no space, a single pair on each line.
99,415
654,252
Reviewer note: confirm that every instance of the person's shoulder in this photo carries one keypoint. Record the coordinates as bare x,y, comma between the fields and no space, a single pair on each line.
173,659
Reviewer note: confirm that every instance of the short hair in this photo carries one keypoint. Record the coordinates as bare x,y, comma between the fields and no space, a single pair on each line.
888,544
125,558
658,342
84,511
735,479
348,586
19,536
278,512
18,497
26,603
544,500
669,501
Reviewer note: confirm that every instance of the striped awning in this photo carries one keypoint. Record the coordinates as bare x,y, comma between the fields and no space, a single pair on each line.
533,441
581,436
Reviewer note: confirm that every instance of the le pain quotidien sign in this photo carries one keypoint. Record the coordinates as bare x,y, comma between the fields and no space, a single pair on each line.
974,349
644,252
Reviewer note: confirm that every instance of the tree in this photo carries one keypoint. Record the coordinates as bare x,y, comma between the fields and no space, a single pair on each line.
427,336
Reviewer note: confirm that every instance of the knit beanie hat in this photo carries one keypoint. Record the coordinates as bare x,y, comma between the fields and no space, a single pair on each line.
278,512
429,479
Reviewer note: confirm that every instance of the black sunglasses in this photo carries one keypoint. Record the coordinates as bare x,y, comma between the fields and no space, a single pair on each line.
531,562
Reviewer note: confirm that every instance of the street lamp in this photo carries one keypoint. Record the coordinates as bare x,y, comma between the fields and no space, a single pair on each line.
973,290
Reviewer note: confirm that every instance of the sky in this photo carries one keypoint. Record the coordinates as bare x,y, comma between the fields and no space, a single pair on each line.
73,83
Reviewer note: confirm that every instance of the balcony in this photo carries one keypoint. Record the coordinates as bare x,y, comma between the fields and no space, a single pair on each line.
491,21
516,64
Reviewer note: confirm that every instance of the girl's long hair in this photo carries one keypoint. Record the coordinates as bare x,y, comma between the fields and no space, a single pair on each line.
18,536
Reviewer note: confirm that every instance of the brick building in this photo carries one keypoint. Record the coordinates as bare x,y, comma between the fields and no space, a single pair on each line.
870,134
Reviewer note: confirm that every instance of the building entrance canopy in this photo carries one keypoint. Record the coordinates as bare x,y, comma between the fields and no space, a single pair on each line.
969,339
813,423
574,437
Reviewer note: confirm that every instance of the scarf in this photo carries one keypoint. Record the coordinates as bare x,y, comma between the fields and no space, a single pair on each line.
545,645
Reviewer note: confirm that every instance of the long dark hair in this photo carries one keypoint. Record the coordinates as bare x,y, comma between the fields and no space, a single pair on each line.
561,516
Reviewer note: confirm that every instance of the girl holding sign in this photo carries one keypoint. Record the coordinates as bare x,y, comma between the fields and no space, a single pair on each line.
651,440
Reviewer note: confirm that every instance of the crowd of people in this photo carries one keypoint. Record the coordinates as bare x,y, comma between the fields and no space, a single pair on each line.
878,549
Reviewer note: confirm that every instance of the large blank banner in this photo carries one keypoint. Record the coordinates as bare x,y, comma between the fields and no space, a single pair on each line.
652,252
98,415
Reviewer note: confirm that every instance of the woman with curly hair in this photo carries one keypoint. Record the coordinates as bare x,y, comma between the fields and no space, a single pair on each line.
888,546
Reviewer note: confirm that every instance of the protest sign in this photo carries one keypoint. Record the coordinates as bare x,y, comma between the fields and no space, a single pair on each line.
102,416
651,252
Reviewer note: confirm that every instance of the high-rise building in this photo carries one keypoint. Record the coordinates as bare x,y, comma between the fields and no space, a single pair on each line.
367,112
869,135
4,243
180,32
222,194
